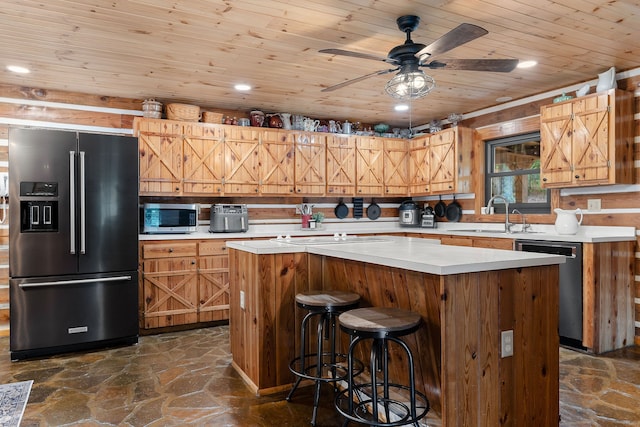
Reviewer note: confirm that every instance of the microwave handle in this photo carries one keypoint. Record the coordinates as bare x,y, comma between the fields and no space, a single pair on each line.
242,223
226,223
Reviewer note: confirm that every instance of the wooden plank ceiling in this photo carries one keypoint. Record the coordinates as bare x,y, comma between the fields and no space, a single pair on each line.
194,51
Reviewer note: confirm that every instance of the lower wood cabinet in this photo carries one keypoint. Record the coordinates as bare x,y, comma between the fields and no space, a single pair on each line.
183,282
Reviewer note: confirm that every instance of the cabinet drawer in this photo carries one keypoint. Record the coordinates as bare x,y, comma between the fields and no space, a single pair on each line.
168,250
213,247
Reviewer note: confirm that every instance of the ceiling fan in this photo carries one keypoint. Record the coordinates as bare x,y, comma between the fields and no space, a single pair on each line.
411,82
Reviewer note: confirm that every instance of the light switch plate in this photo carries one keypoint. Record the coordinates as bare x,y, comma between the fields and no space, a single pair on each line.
507,343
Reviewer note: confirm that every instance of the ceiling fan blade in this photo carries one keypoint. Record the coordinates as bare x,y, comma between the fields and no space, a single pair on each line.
460,35
356,55
358,79
496,65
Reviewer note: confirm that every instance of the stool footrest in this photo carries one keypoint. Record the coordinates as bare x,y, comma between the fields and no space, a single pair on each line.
330,371
400,411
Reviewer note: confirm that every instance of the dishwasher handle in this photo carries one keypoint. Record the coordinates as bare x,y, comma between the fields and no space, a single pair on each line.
554,248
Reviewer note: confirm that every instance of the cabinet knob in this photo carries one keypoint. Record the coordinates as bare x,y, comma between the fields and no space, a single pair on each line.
544,179
170,250
193,261
224,248
577,177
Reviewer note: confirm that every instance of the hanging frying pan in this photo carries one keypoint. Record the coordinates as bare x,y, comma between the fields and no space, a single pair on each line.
341,210
373,210
440,208
454,211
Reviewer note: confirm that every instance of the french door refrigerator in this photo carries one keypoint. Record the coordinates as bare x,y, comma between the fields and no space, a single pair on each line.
73,241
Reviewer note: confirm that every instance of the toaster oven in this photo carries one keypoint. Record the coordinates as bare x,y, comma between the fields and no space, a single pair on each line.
229,218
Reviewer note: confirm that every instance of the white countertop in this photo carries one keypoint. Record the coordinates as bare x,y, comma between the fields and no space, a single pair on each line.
416,254
586,234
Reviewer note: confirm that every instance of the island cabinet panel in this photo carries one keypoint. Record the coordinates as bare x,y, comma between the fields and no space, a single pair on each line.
265,330
456,351
608,296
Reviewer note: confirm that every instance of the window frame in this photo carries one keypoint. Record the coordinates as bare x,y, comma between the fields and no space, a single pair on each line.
525,208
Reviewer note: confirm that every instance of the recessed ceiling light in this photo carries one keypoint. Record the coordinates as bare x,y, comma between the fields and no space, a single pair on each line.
18,69
401,107
242,87
527,64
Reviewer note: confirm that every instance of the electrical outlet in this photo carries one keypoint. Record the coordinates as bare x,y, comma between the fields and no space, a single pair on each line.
507,343
242,300
593,205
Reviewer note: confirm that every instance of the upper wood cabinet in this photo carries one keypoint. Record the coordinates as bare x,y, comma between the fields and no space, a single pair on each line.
419,159
369,166
203,154
341,165
587,140
242,161
395,167
160,156
200,159
310,163
277,165
451,160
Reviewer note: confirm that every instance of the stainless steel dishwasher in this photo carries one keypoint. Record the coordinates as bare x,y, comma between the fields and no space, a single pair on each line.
570,285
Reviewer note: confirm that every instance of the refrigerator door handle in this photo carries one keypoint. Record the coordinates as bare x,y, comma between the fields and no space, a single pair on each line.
72,203
74,282
83,216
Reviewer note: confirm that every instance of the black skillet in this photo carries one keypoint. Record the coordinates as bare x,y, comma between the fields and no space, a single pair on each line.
373,210
440,208
454,211
341,210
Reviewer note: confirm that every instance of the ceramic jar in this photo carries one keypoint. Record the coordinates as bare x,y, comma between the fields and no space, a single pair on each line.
257,118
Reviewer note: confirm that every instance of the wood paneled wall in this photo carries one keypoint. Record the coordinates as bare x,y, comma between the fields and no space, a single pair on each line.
31,106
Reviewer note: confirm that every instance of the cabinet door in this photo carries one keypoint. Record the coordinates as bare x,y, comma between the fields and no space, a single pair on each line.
170,291
369,166
310,158
593,139
213,288
341,165
395,167
203,148
160,156
443,168
555,145
419,173
242,174
277,164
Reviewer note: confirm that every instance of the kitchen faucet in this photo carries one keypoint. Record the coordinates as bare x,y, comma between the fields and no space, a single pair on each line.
525,226
507,224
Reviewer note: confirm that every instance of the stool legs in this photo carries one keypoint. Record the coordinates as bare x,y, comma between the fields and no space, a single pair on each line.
358,403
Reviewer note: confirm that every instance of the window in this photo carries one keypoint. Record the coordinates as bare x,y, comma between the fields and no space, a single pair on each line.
513,171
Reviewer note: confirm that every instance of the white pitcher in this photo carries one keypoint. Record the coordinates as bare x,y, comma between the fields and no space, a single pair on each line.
567,221
311,125
286,120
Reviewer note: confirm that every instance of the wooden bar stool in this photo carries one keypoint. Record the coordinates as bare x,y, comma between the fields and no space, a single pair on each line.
322,366
378,402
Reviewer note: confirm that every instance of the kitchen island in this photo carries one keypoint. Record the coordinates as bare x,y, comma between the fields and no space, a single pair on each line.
467,298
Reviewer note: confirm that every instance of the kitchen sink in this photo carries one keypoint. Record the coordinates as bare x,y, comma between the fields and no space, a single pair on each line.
484,230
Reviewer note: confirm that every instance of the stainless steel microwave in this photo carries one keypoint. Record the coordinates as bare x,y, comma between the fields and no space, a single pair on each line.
159,218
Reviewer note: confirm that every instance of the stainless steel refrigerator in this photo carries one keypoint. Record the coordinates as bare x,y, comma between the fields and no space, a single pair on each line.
73,241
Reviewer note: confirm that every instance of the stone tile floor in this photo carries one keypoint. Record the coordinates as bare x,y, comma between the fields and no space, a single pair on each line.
185,379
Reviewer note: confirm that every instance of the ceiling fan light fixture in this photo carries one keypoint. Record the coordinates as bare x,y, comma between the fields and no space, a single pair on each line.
410,85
